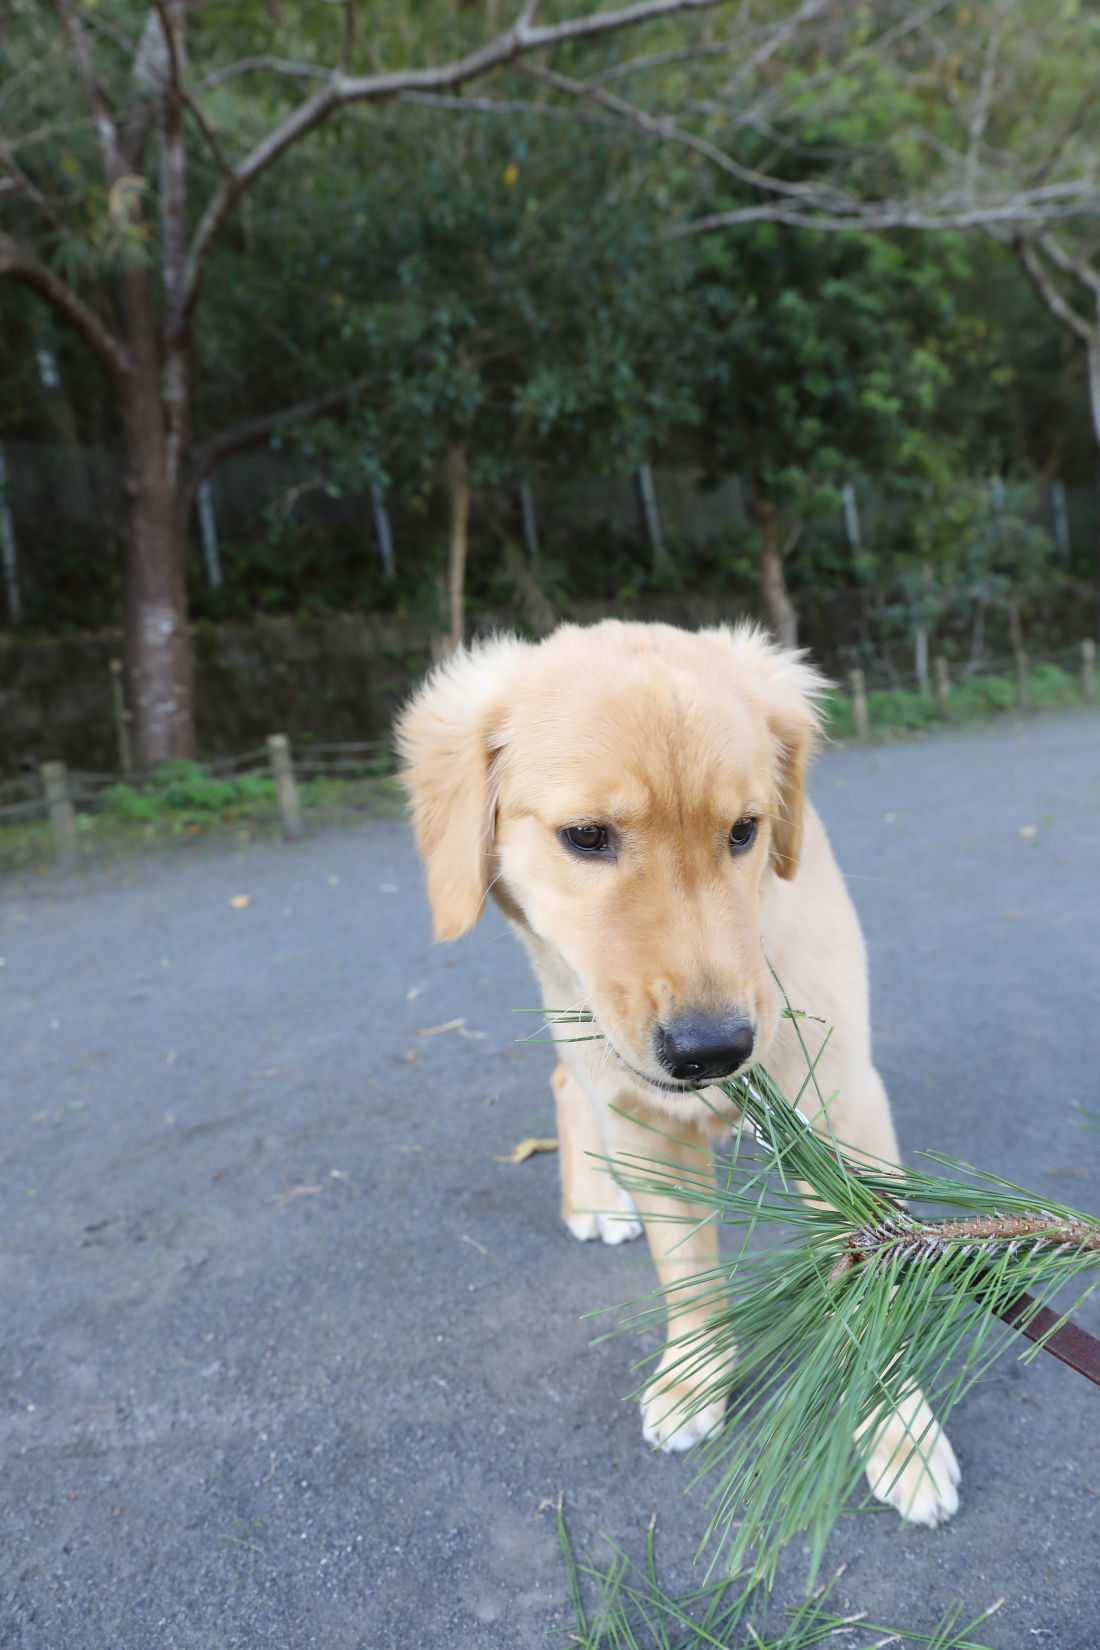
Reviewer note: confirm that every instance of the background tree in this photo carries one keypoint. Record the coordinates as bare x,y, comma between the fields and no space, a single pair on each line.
128,112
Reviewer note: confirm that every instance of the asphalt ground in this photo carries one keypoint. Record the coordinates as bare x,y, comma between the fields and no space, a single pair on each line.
290,1358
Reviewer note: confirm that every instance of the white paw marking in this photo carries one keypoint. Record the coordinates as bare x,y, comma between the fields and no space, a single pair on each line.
616,1225
925,1490
667,1427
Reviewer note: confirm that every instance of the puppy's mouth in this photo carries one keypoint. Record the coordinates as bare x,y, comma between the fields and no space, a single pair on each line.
667,1085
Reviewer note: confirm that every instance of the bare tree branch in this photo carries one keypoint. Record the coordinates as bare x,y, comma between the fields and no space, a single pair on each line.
18,180
338,91
249,65
249,434
1076,267
347,42
662,126
1055,300
807,11
660,60
459,103
186,97
80,55
22,265
1017,210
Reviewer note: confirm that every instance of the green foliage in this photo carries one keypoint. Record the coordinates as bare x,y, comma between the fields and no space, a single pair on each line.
181,787
894,711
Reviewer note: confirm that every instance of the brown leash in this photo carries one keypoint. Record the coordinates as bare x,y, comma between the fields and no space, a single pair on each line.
1073,1345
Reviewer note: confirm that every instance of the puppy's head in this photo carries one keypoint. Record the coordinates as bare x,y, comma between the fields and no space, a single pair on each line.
633,792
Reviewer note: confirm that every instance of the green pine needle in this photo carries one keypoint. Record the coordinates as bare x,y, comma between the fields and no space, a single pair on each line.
632,1609
855,1305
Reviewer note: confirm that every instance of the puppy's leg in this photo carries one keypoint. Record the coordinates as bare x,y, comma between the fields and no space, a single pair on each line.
910,1462
592,1204
686,1399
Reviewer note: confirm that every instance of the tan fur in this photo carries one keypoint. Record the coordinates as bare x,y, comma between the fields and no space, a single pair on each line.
668,737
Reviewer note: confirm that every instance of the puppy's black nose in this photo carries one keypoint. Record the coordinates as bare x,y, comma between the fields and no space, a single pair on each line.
698,1048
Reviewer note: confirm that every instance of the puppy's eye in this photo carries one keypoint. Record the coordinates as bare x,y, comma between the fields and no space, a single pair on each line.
587,839
742,835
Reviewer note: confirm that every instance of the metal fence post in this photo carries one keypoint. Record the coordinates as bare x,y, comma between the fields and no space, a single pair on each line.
121,716
860,719
59,806
943,688
286,786
1088,669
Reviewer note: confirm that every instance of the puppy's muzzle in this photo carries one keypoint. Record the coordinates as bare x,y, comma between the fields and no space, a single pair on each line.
701,1048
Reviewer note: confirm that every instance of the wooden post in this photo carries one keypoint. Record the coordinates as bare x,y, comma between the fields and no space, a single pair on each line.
920,658
59,806
286,786
1019,653
121,716
860,719
1088,669
943,688
1023,691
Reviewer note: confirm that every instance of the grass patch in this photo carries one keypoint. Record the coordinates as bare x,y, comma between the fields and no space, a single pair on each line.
183,802
896,713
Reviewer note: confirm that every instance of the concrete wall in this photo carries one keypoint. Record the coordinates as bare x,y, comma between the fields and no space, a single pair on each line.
333,679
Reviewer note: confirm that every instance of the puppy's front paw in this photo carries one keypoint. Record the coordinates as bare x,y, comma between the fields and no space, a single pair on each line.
616,1222
912,1466
684,1404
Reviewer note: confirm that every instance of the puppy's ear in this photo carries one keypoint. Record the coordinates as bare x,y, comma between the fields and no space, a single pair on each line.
794,741
794,718
789,691
447,736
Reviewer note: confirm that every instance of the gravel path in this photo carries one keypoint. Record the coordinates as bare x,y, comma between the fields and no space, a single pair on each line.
291,1360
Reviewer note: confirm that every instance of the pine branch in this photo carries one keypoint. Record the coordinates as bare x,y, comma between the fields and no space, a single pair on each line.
861,1302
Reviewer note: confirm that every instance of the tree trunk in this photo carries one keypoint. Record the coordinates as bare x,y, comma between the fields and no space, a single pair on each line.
778,607
458,501
157,642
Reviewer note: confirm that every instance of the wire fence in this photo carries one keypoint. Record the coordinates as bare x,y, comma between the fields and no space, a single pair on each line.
57,793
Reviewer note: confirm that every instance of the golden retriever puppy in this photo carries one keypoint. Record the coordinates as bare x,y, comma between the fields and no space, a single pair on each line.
633,796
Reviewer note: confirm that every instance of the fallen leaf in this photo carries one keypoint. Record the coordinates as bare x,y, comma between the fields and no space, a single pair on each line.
1029,830
240,901
527,1148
